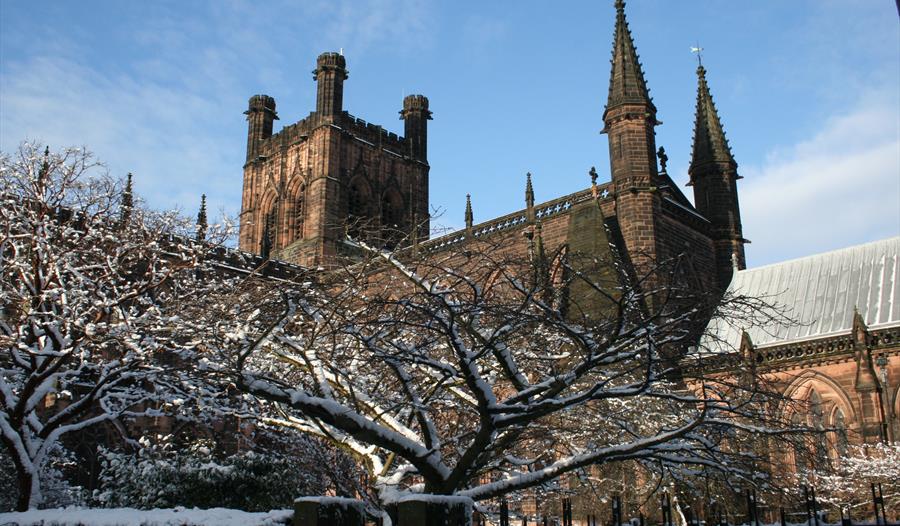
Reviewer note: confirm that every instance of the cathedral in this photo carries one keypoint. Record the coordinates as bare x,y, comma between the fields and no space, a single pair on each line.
332,176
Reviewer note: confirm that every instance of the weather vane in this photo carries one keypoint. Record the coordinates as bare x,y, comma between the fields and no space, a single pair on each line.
698,50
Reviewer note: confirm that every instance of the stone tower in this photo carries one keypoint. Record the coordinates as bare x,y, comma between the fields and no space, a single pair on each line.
331,176
629,119
714,176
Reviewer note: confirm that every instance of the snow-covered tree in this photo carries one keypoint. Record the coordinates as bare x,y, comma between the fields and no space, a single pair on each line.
847,484
80,265
480,372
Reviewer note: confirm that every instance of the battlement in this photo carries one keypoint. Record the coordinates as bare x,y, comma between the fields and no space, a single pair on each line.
365,131
370,132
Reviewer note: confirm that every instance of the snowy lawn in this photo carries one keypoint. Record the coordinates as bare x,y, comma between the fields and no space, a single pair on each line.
159,517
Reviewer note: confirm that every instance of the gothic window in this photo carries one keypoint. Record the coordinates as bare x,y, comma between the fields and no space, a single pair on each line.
392,217
840,434
817,422
392,210
299,210
268,237
801,453
357,206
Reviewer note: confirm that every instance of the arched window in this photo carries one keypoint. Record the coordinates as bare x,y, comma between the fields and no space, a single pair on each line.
841,442
392,210
268,237
801,453
299,210
817,422
392,217
357,207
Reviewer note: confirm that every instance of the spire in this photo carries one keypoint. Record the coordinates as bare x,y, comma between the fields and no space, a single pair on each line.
468,212
710,144
626,81
202,225
127,204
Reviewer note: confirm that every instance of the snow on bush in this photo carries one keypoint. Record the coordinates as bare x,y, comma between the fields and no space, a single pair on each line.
161,476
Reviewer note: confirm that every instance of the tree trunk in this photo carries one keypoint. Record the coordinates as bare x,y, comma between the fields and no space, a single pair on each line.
26,481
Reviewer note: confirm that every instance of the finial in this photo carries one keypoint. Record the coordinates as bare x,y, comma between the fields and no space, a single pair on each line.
663,159
202,225
620,6
468,212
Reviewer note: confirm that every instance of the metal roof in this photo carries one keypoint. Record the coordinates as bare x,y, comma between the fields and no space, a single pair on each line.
818,292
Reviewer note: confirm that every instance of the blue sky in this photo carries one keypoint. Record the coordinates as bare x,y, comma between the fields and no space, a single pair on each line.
808,90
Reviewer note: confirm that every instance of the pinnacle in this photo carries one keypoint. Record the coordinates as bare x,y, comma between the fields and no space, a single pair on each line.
710,144
626,82
469,218
529,191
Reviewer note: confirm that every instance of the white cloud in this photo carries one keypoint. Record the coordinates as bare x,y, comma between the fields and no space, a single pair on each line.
839,188
170,111
149,128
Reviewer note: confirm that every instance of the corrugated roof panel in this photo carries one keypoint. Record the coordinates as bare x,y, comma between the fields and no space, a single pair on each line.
820,293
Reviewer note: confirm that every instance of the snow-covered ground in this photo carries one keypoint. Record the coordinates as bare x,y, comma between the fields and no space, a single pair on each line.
132,517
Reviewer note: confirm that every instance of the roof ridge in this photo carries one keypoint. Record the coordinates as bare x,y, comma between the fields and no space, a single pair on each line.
818,255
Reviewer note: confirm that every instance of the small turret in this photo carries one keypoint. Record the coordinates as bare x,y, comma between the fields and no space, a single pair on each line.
415,115
260,117
330,74
469,217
